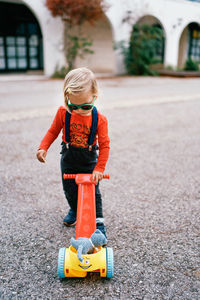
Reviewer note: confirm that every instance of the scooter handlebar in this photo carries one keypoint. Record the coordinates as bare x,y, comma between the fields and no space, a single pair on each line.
106,176
69,176
73,176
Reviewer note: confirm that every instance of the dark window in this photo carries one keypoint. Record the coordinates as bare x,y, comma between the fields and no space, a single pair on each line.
194,42
20,39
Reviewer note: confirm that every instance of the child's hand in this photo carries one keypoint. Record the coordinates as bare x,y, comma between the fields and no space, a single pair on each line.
41,155
97,176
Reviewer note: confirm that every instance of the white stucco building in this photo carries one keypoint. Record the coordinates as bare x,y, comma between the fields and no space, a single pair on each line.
31,39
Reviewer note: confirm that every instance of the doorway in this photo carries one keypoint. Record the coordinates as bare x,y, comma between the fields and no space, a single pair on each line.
21,45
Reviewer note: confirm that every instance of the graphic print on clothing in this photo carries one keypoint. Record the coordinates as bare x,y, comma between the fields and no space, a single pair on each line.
79,135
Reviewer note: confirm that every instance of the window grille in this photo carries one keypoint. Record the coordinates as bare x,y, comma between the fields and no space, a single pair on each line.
194,42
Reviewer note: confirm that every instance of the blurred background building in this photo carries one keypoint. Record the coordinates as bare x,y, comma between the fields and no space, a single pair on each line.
32,40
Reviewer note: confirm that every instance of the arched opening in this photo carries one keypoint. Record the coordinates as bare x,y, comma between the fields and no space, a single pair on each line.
189,44
100,34
21,45
194,42
183,48
160,45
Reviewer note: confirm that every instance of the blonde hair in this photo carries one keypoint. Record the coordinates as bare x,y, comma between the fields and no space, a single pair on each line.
80,80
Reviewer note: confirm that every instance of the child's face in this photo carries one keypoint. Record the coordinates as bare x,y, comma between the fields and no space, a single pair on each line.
82,98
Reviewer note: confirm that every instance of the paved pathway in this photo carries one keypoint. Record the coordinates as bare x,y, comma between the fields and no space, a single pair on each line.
35,96
151,202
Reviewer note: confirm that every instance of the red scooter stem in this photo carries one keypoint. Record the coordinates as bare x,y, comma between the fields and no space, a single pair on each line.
86,206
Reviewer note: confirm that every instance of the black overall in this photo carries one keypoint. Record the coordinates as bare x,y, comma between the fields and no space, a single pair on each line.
76,160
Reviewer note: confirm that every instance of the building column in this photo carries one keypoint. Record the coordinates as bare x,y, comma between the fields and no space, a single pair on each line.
52,32
171,50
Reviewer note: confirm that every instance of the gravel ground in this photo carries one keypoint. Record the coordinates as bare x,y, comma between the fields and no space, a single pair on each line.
151,208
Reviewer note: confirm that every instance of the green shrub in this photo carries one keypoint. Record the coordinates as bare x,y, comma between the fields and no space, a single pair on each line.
77,46
142,51
191,65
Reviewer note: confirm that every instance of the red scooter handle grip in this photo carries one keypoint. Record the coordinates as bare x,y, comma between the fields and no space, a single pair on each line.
73,176
69,176
106,176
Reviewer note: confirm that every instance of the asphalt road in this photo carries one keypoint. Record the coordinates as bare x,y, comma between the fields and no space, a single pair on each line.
151,203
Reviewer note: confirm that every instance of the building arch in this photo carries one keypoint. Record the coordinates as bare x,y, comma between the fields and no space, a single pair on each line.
189,44
101,35
160,51
34,12
21,39
149,19
154,21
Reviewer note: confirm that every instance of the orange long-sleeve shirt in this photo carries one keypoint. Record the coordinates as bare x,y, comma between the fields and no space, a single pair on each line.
79,131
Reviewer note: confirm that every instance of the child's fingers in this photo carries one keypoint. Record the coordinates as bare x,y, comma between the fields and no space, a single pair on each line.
41,156
100,177
95,178
44,156
43,159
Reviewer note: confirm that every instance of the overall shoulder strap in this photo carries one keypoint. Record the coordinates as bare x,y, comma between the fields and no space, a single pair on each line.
94,127
67,127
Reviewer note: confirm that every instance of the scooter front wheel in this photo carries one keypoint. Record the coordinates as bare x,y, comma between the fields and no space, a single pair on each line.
61,263
109,262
